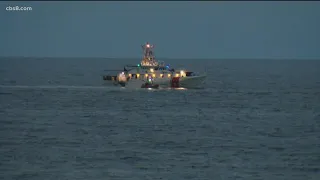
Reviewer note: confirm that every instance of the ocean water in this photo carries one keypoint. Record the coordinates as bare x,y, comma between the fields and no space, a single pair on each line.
256,119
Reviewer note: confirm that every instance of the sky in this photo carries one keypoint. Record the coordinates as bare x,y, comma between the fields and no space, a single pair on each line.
236,30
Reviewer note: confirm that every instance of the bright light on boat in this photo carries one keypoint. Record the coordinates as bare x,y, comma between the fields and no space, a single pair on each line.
169,75
146,75
138,75
151,70
122,73
148,45
153,75
182,73
180,88
177,75
161,75
130,75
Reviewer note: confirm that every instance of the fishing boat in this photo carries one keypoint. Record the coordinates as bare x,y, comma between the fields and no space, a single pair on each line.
162,74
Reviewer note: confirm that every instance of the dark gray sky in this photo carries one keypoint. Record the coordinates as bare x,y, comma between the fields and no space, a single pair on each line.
178,29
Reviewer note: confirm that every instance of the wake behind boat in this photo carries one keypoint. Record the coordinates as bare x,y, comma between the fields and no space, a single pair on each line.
160,74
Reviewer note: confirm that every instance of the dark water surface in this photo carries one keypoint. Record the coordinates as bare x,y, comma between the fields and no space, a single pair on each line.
257,119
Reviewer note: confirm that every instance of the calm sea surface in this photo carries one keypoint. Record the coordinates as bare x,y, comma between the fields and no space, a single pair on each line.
256,119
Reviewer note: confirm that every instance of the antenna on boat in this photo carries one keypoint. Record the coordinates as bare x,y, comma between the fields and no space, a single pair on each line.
148,56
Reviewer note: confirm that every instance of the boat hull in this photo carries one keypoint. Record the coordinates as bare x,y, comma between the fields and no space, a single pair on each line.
192,82
184,82
154,86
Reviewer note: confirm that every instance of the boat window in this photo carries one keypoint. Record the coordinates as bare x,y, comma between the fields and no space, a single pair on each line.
189,73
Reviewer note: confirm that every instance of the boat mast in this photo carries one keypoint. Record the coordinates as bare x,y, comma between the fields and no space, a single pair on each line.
148,56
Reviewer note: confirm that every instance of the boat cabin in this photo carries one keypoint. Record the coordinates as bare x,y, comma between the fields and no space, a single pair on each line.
190,74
